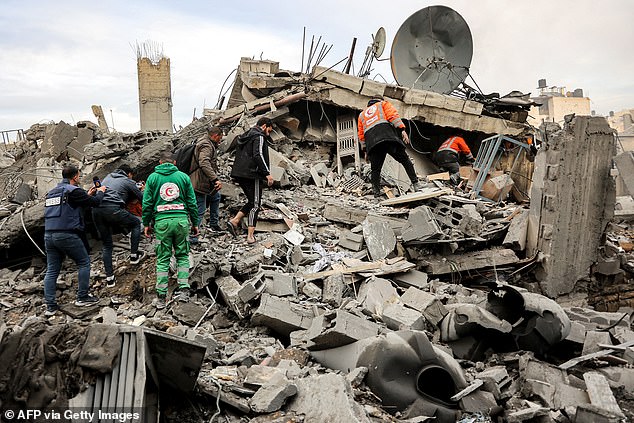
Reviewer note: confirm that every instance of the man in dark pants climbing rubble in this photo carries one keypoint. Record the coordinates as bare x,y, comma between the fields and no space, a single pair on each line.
64,235
376,132
112,217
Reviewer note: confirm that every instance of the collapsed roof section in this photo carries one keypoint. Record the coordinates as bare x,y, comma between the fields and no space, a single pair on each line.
261,85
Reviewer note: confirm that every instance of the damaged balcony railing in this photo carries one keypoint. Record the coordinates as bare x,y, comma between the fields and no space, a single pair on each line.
488,156
8,136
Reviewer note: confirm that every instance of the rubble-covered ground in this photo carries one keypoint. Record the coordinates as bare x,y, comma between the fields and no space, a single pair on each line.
414,307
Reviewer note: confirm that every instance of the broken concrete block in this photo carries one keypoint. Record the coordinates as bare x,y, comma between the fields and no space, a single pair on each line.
600,393
577,333
311,290
379,238
294,237
421,225
338,328
57,138
550,384
270,398
281,315
76,147
252,288
344,214
398,317
6,161
356,376
515,238
333,290
279,284
593,338
464,220
280,177
264,375
327,398
188,313
425,303
619,377
527,414
23,194
376,294
48,176
478,402
628,355
350,241
587,413
229,289
625,164
413,277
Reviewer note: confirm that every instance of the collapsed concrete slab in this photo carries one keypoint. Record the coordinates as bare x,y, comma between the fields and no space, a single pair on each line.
571,204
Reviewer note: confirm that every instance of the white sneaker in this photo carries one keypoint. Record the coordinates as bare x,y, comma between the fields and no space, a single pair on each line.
110,281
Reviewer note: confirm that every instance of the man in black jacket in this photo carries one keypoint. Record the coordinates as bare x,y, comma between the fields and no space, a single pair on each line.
250,168
64,235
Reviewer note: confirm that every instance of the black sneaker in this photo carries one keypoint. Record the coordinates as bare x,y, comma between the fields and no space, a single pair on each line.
86,301
51,310
110,281
182,295
216,229
376,192
136,258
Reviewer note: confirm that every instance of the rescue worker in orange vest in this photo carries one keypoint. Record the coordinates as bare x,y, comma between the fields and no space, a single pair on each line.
448,157
376,133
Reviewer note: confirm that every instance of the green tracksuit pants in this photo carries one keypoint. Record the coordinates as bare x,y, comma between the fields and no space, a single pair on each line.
171,234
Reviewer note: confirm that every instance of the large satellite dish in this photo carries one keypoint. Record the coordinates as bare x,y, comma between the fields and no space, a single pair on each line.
432,50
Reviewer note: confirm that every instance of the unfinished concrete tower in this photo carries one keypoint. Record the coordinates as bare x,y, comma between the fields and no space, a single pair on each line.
155,88
572,200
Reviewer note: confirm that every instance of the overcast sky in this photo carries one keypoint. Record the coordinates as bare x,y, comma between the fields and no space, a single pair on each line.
58,58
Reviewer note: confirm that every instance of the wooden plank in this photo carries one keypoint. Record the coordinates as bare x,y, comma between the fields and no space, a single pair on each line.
416,196
439,265
574,361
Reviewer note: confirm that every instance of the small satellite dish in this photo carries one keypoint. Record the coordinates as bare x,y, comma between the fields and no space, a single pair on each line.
432,50
373,51
379,43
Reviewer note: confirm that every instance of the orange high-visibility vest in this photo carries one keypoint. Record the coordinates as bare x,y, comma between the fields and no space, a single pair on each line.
456,144
375,114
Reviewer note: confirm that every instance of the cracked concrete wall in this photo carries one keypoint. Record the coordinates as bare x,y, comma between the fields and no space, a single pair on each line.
155,94
572,200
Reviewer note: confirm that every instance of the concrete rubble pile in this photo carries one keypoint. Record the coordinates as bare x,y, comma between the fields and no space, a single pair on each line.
437,305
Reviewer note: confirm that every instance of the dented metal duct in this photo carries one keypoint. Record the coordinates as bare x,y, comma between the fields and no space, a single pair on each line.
404,368
512,319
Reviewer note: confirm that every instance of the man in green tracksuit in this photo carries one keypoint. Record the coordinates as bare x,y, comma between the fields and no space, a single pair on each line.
169,208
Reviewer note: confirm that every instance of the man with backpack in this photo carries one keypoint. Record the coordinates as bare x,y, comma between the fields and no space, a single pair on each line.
169,209
250,168
203,172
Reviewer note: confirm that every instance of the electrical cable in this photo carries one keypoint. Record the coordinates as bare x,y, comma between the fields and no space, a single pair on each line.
29,235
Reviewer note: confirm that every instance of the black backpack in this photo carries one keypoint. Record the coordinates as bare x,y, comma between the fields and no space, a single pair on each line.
184,157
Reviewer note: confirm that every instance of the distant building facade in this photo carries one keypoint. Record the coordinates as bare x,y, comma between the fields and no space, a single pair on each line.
556,103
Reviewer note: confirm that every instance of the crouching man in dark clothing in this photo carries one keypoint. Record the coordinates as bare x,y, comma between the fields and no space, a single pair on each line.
64,235
112,217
